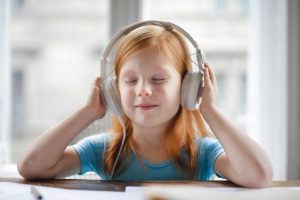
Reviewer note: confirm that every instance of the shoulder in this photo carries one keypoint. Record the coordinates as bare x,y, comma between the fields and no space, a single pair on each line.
206,142
99,138
91,150
96,143
208,146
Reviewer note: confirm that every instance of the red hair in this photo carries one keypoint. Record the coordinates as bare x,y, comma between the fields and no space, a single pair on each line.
184,126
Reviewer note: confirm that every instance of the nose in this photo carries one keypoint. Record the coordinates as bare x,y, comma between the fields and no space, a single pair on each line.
144,90
143,93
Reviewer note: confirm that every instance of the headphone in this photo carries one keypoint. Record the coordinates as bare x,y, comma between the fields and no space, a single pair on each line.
192,85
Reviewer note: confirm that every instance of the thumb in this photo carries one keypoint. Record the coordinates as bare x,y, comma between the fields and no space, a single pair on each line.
206,75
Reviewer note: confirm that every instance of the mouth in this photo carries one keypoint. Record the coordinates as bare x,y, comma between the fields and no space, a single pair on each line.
146,106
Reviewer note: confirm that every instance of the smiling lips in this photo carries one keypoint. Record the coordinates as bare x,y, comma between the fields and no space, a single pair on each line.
146,106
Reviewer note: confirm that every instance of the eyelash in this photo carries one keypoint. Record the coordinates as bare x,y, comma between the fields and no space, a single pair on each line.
131,81
156,80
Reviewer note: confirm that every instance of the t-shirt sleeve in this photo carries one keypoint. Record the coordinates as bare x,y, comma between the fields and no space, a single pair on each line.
91,151
209,150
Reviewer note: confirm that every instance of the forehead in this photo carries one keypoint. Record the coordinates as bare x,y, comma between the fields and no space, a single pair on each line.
148,60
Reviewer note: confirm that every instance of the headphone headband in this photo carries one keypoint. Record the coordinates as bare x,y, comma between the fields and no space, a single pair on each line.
127,29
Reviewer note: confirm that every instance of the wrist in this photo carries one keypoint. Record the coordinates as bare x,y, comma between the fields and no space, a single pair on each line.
89,113
208,110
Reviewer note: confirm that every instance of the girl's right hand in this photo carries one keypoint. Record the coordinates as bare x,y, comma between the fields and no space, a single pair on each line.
94,101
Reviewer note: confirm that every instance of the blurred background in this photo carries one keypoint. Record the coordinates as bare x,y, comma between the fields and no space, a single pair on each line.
50,54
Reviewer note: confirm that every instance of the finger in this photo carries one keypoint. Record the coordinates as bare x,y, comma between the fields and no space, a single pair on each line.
213,79
97,87
97,82
211,74
206,76
206,73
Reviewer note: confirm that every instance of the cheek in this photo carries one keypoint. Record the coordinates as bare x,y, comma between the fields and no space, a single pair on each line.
171,94
126,95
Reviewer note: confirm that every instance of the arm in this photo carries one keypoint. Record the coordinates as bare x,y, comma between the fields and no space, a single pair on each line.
244,161
49,155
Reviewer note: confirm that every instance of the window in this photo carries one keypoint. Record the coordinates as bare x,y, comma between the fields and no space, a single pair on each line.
55,48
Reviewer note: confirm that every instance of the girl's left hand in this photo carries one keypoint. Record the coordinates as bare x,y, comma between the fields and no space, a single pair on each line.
210,93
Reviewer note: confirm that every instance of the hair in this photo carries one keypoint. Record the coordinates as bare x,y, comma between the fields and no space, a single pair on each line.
184,126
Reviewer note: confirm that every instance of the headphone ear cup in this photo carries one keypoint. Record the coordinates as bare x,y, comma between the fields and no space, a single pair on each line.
110,96
192,88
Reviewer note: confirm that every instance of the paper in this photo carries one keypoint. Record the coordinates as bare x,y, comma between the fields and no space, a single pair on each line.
16,191
196,192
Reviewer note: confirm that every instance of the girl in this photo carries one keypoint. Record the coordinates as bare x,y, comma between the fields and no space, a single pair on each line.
164,141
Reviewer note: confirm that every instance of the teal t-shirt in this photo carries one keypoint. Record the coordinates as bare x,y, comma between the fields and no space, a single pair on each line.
91,153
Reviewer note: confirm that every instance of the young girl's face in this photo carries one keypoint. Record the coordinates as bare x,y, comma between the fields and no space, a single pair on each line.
149,88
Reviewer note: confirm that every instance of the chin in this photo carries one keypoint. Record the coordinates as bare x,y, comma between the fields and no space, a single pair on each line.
147,123
151,122
150,119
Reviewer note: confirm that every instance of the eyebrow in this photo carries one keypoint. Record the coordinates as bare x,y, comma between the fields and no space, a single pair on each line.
127,73
155,69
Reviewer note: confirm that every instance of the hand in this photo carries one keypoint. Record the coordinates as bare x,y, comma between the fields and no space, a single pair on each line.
94,101
210,93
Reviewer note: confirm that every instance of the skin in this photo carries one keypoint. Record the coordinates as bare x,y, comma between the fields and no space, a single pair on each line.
150,95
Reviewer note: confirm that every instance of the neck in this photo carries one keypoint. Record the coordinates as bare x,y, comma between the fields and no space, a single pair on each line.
149,142
149,137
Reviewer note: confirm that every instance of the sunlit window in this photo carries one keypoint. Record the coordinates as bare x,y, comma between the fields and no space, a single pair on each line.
56,48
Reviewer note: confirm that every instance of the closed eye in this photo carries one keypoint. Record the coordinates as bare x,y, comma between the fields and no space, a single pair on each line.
159,80
130,81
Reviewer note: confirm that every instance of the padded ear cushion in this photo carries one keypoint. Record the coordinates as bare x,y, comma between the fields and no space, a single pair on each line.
192,88
110,96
